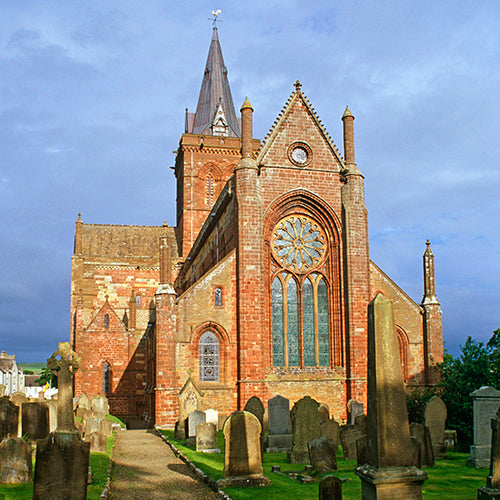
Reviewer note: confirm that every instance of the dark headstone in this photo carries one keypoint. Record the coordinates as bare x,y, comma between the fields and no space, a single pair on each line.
35,420
243,454
388,471
254,405
97,442
306,421
9,418
492,488
15,461
324,412
360,422
435,419
322,454
330,429
349,434
354,408
279,415
330,488
450,439
421,433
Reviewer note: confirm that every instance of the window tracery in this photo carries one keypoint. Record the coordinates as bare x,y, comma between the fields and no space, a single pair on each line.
208,348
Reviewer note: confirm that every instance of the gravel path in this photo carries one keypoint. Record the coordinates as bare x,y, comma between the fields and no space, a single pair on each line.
146,468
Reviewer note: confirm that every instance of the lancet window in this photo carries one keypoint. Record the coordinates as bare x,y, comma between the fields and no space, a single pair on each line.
105,378
209,357
210,190
299,294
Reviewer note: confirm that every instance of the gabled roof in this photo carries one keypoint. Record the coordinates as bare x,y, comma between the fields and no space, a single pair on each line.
282,117
214,90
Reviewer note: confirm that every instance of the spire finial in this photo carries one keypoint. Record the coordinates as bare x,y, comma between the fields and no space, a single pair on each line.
214,20
297,85
428,243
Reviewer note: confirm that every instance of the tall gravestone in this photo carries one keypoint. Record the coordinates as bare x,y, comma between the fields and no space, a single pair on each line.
279,438
243,454
423,436
330,488
492,488
62,460
35,420
9,418
330,429
349,436
486,402
3,389
389,472
435,419
306,420
15,461
254,405
212,417
194,418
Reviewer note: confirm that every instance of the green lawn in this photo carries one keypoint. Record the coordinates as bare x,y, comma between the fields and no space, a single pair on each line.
99,463
449,479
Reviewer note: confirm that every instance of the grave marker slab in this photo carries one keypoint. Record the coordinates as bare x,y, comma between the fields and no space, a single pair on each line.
322,454
280,434
100,405
9,418
423,436
349,435
330,429
194,418
492,488
15,461
306,421
35,420
212,417
206,438
330,488
435,419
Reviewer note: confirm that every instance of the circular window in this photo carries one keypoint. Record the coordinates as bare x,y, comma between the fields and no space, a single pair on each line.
298,243
300,154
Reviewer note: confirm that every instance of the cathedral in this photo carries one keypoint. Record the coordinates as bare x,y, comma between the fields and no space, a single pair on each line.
262,286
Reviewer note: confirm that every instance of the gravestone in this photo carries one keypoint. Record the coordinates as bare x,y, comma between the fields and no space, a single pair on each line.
435,419
306,421
486,402
83,405
212,417
388,471
324,412
206,438
243,454
330,429
35,420
280,434
100,405
3,388
194,418
91,424
322,454
450,439
354,408
97,442
106,428
360,422
62,459
254,405
9,418
492,488
423,436
52,415
18,398
330,488
190,399
15,461
349,435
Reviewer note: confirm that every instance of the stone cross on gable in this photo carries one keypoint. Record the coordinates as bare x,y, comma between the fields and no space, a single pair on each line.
66,362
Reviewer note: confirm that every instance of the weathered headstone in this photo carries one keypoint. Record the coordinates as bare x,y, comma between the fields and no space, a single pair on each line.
349,435
3,389
330,488
450,439
106,428
254,405
190,399
52,414
306,420
389,471
83,405
330,429
423,436
212,417
194,418
324,412
486,402
35,420
206,438
100,405
9,418
62,460
243,454
322,454
354,408
97,442
280,434
15,461
91,424
360,422
435,419
492,488
18,398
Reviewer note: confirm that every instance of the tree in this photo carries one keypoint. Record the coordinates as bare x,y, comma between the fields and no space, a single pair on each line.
47,375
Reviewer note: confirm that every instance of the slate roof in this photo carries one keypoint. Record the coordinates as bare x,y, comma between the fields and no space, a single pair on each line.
214,90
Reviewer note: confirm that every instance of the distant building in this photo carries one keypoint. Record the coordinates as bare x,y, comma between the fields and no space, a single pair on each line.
11,375
262,286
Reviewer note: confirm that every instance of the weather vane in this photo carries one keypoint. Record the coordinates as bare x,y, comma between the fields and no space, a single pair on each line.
214,20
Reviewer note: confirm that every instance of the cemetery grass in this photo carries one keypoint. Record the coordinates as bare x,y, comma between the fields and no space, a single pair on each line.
99,463
448,479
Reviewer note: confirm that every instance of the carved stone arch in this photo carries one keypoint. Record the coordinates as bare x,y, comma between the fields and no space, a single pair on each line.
223,355
302,202
404,351
210,168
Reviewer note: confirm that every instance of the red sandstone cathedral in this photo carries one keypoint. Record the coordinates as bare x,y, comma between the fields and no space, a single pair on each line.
262,287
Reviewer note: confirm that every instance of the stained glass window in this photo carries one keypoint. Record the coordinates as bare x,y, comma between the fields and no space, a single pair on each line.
105,378
106,321
218,297
277,313
308,323
323,332
209,357
293,323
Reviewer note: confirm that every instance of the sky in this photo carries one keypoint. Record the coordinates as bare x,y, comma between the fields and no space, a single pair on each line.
92,103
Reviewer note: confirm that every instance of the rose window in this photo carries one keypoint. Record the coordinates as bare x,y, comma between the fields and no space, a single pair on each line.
298,243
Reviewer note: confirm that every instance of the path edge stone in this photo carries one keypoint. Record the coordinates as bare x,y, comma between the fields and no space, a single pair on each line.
199,473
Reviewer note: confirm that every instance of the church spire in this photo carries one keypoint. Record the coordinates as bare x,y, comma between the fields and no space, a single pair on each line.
215,111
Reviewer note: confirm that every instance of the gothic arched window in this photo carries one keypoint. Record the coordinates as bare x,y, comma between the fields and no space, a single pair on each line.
299,295
105,378
210,190
218,297
106,321
138,301
208,350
